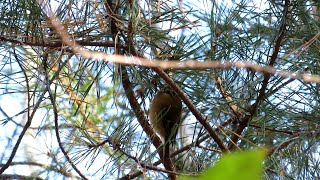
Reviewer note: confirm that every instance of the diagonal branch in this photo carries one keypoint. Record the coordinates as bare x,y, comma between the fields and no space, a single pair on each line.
187,64
192,108
141,117
55,113
181,150
253,108
28,123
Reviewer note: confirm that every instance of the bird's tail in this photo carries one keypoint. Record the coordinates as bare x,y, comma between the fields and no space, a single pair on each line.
167,149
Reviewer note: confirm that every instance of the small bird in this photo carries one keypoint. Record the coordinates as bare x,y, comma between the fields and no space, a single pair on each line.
165,115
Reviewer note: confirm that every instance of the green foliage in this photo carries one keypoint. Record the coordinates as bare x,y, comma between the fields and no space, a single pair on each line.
100,129
242,166
238,165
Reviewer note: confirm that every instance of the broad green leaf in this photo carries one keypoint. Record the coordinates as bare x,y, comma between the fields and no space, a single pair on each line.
238,165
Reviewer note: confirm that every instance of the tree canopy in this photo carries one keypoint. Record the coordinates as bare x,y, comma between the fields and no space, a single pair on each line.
77,78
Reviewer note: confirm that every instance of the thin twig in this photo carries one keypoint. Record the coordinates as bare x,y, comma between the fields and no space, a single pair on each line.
56,123
283,144
118,148
60,43
234,107
45,166
272,130
28,123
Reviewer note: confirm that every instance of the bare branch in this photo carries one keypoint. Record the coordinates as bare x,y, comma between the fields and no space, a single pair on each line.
187,64
55,113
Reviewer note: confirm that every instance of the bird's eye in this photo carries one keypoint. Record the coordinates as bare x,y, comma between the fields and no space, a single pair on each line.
173,93
168,90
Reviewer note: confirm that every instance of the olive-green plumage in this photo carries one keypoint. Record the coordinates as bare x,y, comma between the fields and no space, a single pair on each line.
165,115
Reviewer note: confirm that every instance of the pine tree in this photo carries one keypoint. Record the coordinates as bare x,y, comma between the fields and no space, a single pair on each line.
77,78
